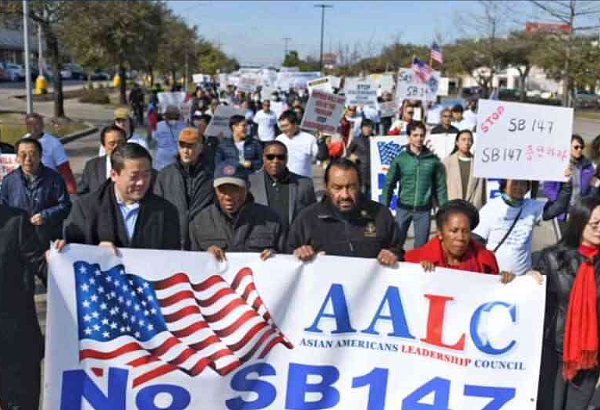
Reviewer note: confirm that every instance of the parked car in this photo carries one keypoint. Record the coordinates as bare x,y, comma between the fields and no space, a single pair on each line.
586,99
3,73
100,76
66,74
77,72
15,72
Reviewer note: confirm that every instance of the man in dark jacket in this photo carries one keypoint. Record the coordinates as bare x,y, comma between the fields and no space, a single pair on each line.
246,151
234,222
445,126
186,183
279,188
124,212
345,223
37,190
97,170
21,343
359,151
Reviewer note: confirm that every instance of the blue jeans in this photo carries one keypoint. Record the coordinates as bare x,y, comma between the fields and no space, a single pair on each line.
422,220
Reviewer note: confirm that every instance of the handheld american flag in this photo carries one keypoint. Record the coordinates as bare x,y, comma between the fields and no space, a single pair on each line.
422,70
387,152
436,53
172,324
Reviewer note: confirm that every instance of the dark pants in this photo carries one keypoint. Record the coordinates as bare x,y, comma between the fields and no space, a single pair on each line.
20,386
422,221
576,394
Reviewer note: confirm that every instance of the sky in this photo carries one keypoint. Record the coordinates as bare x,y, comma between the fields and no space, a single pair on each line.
254,31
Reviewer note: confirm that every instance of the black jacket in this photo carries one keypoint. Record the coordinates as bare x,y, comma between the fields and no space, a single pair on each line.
94,175
96,218
21,257
362,233
361,147
301,192
439,129
171,184
255,228
7,148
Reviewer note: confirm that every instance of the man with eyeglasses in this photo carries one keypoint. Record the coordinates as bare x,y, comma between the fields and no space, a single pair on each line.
445,126
38,190
187,183
278,188
97,170
266,120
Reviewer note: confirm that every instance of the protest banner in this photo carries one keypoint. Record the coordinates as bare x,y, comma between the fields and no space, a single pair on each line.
411,88
170,98
383,151
8,163
289,69
323,112
219,123
248,83
175,330
522,141
200,78
321,84
388,108
360,91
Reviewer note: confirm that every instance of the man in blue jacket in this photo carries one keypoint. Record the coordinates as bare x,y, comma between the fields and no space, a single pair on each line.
239,149
38,190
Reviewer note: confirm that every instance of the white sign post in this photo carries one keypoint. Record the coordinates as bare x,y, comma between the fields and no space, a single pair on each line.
522,141
219,124
411,88
323,112
361,92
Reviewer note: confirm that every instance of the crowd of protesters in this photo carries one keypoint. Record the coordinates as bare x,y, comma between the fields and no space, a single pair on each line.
180,189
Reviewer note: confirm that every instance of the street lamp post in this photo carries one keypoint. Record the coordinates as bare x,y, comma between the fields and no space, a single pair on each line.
26,47
323,7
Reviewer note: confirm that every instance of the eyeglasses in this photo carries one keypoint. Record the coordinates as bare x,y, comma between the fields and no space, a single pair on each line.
280,157
410,112
577,147
594,225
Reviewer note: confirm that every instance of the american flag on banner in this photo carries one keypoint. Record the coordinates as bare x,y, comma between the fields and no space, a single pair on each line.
422,70
387,152
436,53
172,324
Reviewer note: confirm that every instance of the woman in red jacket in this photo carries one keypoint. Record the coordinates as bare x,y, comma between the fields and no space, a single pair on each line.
453,246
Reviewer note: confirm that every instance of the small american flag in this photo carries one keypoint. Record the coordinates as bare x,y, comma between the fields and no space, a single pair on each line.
172,324
436,53
387,152
422,70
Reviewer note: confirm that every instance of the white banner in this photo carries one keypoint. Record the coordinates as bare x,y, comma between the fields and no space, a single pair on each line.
360,92
287,79
323,112
248,83
219,123
321,84
411,88
522,141
200,78
170,98
174,330
8,163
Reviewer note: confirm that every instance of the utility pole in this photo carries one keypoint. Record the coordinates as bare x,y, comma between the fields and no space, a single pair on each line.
27,67
286,39
323,7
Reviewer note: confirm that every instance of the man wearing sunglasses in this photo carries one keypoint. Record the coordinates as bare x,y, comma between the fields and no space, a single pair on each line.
278,188
187,183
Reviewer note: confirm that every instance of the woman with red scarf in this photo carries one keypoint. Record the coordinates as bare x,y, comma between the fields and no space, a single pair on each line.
453,246
570,348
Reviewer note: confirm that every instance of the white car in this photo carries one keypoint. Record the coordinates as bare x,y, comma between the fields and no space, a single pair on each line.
66,74
15,72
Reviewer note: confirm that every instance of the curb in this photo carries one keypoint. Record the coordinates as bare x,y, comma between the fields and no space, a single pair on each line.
79,134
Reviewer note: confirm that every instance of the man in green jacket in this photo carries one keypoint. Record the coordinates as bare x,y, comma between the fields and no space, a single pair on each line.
420,176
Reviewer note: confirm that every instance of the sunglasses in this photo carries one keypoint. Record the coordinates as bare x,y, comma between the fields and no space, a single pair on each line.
577,147
271,157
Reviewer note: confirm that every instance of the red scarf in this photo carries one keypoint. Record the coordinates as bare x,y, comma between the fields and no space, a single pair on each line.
476,259
580,347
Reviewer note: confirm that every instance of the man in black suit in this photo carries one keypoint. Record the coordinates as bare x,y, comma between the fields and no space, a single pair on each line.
124,212
278,188
21,343
97,170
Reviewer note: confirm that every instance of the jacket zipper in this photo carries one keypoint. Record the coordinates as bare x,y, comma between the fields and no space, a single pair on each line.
417,182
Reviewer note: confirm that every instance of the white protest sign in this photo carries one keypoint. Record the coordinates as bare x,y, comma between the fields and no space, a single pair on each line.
199,78
289,69
248,83
335,81
278,107
411,88
388,108
440,144
219,123
385,82
360,92
170,98
8,163
223,81
266,93
155,329
522,141
268,78
444,87
323,112
321,84
287,80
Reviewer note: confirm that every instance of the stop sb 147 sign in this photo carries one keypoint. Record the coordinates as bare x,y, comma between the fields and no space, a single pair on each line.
323,112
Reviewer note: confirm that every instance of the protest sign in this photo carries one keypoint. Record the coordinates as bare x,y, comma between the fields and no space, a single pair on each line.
321,84
444,87
287,80
8,163
440,144
335,81
248,83
278,107
175,330
323,112
268,78
360,92
383,152
219,123
289,69
170,98
223,81
388,108
200,78
266,93
384,82
411,88
522,141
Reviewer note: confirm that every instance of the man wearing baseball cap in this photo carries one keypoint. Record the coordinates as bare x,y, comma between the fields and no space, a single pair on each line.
165,136
187,183
234,222
123,120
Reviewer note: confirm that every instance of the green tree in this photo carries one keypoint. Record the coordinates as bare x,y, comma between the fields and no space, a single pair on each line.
291,59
